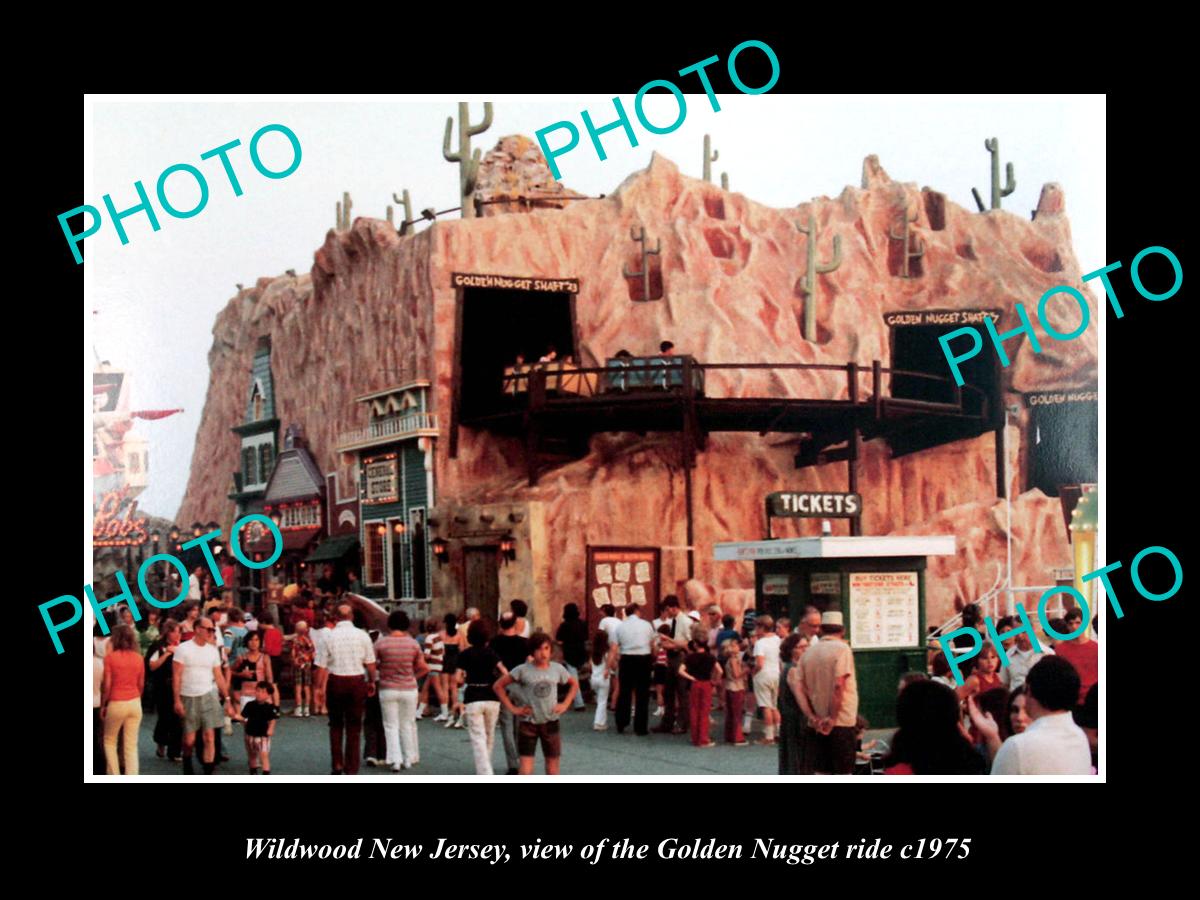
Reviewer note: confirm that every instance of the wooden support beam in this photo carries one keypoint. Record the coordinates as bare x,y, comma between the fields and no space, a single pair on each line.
852,447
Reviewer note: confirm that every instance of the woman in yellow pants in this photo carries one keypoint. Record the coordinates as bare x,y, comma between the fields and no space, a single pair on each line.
121,699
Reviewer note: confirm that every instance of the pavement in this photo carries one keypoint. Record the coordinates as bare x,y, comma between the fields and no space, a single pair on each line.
301,747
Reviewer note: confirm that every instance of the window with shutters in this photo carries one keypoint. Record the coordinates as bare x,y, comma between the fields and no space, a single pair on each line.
264,461
249,467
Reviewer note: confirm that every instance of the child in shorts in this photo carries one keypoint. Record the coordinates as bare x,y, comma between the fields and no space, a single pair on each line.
539,681
659,672
259,715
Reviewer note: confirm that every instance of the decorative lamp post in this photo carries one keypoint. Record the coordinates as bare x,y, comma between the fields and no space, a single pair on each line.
440,548
1084,525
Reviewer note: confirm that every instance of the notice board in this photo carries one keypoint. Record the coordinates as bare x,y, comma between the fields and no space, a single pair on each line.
620,576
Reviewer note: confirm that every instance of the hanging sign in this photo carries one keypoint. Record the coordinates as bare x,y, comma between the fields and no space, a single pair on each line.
508,282
813,504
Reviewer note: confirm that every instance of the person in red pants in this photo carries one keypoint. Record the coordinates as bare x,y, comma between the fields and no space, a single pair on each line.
700,668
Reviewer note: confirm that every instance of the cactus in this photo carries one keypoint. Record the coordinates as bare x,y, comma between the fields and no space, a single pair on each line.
468,164
813,269
913,247
404,200
343,212
992,145
639,235
724,181
710,157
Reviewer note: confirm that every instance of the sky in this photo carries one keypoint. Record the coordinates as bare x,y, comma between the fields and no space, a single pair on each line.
150,304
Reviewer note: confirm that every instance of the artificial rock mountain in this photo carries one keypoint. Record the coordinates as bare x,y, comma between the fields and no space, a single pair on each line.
378,307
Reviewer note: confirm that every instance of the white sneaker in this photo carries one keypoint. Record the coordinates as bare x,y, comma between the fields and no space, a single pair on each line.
371,761
441,717
396,767
458,723
599,728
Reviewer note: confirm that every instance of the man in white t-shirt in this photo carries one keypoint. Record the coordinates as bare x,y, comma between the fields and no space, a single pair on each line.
766,675
610,623
200,693
635,639
1053,744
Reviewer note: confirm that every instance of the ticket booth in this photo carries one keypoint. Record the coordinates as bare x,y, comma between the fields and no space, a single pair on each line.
878,584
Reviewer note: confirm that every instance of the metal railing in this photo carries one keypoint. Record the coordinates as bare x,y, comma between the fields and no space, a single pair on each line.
566,381
390,427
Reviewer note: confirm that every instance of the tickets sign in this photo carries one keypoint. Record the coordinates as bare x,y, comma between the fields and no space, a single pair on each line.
809,504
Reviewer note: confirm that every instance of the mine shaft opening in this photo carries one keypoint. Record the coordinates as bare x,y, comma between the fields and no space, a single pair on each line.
498,324
1064,446
915,348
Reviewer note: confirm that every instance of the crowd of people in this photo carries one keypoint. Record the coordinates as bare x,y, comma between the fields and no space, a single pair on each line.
698,672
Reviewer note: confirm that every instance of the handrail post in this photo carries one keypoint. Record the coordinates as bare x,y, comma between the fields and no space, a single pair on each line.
877,388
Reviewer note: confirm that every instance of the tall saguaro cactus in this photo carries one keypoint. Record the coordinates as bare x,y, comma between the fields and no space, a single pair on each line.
639,235
343,212
913,247
992,145
812,271
468,164
710,157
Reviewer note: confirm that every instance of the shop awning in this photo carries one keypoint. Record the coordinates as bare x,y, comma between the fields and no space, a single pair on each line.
334,548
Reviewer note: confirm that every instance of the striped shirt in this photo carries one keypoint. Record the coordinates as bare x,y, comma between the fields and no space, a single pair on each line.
346,651
397,658
434,651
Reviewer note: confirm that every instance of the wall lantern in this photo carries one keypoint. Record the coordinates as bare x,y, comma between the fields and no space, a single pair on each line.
440,547
400,528
508,547
381,530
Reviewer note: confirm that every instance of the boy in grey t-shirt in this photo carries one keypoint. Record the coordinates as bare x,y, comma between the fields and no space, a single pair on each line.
539,681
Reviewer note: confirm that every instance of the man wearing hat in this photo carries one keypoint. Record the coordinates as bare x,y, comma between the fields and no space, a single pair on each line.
828,697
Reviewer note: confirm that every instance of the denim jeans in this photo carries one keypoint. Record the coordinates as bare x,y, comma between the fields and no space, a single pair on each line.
508,732
578,702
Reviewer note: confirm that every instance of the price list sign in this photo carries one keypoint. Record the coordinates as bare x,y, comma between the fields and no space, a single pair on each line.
884,610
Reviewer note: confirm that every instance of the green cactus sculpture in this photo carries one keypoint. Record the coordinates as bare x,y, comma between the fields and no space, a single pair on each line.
913,247
724,181
992,145
639,235
710,157
468,164
810,275
343,212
